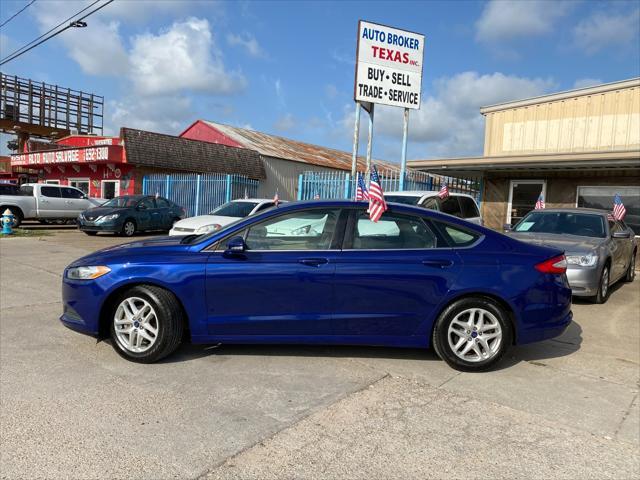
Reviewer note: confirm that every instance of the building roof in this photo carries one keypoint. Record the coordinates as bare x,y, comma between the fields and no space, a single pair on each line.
548,161
158,150
578,92
294,150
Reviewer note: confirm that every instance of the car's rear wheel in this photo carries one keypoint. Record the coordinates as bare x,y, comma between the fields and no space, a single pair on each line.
146,324
128,228
603,286
631,271
472,334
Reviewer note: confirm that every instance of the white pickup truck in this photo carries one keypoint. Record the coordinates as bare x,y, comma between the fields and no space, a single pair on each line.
45,202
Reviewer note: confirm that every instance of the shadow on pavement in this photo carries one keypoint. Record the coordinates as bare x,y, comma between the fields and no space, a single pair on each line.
566,344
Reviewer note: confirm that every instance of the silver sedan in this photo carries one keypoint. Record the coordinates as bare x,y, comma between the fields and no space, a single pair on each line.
600,251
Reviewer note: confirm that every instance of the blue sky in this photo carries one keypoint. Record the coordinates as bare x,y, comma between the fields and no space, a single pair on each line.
287,68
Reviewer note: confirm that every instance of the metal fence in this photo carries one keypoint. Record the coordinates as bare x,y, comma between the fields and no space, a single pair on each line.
199,194
335,185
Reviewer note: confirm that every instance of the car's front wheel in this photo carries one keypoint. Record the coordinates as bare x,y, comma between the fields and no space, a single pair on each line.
146,324
472,334
128,228
603,286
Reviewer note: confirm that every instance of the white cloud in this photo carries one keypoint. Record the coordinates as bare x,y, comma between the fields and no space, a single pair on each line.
449,122
586,82
602,30
157,114
248,42
285,123
506,19
184,57
99,50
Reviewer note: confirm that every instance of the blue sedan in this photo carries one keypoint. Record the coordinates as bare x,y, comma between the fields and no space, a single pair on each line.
323,273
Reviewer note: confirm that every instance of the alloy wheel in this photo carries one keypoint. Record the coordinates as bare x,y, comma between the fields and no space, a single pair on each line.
475,335
604,287
136,325
129,229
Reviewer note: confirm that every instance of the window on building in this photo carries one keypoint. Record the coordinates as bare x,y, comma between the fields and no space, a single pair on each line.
80,184
602,198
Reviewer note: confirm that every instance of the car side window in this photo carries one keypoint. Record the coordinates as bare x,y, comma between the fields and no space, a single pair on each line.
468,207
147,203
162,203
431,203
71,193
264,206
392,232
53,192
457,236
303,230
451,206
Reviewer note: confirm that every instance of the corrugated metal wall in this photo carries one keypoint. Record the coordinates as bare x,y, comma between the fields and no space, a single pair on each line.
282,175
598,122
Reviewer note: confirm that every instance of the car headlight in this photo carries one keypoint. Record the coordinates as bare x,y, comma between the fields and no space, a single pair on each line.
108,218
588,260
208,228
87,273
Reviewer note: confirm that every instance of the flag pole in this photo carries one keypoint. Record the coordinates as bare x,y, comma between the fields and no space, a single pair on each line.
370,142
403,160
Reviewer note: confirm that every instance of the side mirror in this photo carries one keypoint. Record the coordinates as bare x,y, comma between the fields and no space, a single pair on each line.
236,246
625,234
506,227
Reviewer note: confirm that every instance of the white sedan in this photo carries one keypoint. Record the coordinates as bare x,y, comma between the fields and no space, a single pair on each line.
221,216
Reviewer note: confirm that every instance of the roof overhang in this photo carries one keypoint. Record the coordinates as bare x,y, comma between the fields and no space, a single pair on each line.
534,162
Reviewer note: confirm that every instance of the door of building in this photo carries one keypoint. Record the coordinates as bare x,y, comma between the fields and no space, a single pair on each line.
523,195
110,188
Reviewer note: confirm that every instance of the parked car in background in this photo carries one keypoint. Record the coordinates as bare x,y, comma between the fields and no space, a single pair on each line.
128,214
600,251
457,204
221,216
432,280
45,202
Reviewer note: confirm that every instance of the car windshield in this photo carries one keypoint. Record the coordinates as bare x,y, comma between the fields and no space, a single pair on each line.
234,209
122,202
563,223
406,199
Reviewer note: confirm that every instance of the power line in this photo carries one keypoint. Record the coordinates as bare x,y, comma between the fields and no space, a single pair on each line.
78,22
17,13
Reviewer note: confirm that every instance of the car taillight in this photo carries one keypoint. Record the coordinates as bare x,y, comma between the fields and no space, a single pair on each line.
553,265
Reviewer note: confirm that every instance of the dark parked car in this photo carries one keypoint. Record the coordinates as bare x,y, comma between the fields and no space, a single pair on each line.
129,214
323,273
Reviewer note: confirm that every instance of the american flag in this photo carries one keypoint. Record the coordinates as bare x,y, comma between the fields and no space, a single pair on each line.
540,202
444,190
377,205
276,199
361,190
619,211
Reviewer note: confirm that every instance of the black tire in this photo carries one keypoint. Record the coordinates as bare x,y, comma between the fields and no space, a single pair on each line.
129,228
446,352
603,290
17,215
91,234
43,222
631,271
170,323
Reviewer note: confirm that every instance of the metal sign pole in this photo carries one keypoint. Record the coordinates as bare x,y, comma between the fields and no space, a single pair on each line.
354,156
403,161
370,141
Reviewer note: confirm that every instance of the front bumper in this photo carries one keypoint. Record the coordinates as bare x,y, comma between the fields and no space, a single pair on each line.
87,226
82,302
584,281
180,232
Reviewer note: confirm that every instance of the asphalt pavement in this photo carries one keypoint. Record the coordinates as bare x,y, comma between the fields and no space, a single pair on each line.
72,408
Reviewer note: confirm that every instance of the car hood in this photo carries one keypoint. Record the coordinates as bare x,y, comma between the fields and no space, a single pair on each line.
156,246
96,212
202,220
568,243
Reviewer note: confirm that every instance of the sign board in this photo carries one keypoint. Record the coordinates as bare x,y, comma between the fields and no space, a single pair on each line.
388,66
111,153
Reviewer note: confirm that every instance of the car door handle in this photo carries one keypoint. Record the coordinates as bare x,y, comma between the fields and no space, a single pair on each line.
313,262
437,263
